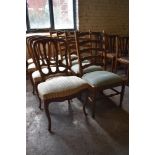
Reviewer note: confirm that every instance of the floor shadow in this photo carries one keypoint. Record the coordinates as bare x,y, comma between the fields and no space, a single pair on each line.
113,120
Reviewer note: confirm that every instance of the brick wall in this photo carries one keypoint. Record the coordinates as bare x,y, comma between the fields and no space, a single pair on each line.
109,15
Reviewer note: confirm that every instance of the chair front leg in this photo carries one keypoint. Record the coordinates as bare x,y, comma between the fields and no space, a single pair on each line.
69,102
115,65
112,65
33,87
122,94
93,103
85,103
46,106
37,93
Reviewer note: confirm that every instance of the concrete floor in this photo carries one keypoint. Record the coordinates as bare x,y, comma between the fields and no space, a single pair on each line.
75,134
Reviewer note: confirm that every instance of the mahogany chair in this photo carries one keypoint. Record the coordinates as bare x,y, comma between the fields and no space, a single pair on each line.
35,74
98,80
122,54
70,39
55,85
30,62
84,38
110,47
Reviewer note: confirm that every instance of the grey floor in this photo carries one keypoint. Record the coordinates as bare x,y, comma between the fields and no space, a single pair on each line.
75,134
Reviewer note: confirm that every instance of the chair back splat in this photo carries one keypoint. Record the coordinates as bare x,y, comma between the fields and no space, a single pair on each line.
90,51
47,50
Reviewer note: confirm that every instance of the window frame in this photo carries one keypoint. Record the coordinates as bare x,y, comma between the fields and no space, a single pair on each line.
52,28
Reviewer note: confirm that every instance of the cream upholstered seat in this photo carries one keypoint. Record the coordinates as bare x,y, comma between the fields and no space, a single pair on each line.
62,86
31,67
30,60
54,87
73,56
37,77
124,60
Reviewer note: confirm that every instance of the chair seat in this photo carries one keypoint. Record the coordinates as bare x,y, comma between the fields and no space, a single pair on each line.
61,86
31,68
29,61
36,74
124,60
111,55
101,78
73,56
75,68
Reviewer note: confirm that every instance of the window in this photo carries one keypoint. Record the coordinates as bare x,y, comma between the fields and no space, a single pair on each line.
50,14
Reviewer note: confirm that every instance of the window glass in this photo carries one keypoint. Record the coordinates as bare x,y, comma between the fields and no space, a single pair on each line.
63,14
38,12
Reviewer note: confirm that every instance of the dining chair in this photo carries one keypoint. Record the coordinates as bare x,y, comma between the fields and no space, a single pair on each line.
84,38
30,63
122,54
31,67
56,85
99,80
70,39
110,47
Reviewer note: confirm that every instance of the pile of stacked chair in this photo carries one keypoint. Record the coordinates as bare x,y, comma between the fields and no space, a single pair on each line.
68,64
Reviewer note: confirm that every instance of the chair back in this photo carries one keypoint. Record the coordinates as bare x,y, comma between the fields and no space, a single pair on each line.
31,42
61,35
47,50
110,43
72,52
122,46
28,47
89,48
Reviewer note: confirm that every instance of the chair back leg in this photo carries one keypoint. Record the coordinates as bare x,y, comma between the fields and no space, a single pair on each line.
122,94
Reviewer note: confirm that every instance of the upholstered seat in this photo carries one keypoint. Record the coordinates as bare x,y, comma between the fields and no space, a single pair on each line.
31,68
73,57
101,78
37,77
61,87
111,55
124,60
29,61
